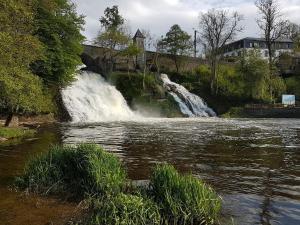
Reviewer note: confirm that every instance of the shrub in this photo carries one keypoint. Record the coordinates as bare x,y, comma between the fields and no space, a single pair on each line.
125,209
80,170
183,199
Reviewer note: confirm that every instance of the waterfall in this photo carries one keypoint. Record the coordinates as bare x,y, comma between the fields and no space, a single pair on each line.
91,99
190,104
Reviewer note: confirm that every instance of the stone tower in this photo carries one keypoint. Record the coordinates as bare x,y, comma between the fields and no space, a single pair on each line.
139,40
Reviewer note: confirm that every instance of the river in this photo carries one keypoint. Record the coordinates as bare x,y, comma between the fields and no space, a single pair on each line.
253,164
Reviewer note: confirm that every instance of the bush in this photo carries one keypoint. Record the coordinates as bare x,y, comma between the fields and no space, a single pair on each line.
183,199
79,170
125,209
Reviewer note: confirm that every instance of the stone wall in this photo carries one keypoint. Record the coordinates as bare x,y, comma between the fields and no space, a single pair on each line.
284,112
93,55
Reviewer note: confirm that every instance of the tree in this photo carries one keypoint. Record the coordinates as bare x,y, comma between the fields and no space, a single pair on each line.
293,31
130,52
113,36
271,24
20,90
261,85
177,43
218,27
58,28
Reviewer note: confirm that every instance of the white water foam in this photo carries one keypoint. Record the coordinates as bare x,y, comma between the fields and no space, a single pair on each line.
91,99
190,104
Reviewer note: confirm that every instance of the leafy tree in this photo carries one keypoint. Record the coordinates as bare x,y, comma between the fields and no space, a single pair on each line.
230,83
177,43
113,36
131,52
218,27
58,28
112,19
261,85
20,90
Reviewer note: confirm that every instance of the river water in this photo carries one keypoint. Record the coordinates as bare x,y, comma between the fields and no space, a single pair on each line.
253,164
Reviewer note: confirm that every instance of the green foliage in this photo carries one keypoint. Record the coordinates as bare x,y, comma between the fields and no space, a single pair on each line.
261,84
293,84
177,43
8,133
58,28
112,19
112,37
80,170
125,209
230,83
183,199
88,171
204,73
20,90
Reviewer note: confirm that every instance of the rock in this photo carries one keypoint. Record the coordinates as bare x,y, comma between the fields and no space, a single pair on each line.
2,139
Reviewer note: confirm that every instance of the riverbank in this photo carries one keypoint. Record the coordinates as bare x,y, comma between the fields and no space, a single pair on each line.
26,128
9,133
263,111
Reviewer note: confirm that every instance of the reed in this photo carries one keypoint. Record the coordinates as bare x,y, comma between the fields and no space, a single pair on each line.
183,199
80,170
125,209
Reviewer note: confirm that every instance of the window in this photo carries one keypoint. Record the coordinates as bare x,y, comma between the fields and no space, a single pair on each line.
255,44
251,45
266,53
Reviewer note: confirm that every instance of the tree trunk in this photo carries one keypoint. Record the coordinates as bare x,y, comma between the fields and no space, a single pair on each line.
214,65
12,121
176,64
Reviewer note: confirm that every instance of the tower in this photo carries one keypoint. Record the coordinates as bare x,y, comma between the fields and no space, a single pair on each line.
139,40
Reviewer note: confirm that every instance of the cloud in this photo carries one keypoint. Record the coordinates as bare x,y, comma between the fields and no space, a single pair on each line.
159,15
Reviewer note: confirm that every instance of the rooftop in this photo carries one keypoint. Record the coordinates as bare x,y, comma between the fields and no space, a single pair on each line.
138,34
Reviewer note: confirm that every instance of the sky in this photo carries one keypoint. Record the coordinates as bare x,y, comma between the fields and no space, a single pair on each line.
158,16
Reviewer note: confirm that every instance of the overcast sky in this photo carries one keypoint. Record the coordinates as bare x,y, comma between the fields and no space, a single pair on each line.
159,15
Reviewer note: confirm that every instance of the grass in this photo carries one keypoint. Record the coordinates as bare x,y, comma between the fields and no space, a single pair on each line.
183,199
20,132
78,170
125,209
87,172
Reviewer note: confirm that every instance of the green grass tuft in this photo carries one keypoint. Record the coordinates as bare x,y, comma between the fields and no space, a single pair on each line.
183,199
78,170
125,209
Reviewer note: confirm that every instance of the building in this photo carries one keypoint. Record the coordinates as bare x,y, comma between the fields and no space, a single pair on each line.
139,40
237,47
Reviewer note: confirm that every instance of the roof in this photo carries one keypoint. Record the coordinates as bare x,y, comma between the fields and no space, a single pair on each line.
262,39
283,40
138,34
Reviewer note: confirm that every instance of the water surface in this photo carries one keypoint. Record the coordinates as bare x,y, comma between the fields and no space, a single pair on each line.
253,164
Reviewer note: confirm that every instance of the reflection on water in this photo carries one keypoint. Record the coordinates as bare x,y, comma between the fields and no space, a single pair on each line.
253,164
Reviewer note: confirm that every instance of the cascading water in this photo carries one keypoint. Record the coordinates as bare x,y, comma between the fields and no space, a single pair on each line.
91,99
190,104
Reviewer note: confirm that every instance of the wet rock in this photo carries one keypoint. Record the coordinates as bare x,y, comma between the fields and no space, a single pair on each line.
2,139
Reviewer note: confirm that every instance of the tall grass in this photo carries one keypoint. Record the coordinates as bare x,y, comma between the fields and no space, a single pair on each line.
125,210
79,170
87,171
183,199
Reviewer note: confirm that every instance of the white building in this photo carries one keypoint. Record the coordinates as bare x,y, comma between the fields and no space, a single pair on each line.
237,47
